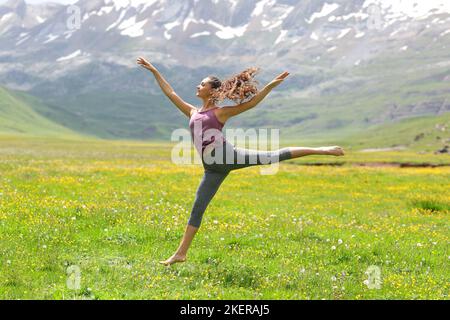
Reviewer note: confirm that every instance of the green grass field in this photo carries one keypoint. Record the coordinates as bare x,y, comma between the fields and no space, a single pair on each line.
113,209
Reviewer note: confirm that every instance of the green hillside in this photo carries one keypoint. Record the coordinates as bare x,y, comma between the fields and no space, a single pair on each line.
120,115
424,133
19,114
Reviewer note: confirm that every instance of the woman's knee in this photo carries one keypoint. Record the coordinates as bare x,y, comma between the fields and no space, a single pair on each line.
285,153
195,222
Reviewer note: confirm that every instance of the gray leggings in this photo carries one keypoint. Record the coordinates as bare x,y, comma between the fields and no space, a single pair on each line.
230,158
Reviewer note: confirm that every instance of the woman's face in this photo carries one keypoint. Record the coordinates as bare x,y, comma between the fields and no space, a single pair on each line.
204,88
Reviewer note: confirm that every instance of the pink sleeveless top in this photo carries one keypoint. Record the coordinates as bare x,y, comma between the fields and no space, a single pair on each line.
202,121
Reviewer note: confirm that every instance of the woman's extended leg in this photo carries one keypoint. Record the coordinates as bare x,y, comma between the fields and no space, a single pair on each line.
233,157
306,151
208,187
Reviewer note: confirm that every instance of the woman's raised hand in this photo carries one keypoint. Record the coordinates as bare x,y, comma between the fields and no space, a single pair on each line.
278,79
145,64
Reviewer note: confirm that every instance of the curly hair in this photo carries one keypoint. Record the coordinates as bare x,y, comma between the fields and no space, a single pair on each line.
236,88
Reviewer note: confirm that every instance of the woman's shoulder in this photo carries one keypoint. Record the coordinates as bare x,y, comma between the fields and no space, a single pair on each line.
193,111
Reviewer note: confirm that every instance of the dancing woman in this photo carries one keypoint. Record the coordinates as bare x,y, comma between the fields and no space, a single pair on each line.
210,117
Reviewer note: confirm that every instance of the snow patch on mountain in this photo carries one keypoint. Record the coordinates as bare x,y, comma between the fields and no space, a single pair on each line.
70,56
314,36
417,9
198,34
134,31
132,28
22,40
357,15
286,10
147,3
282,36
331,49
227,32
119,20
325,11
233,4
120,4
259,7
344,32
104,10
190,19
51,37
6,16
40,19
127,23
169,26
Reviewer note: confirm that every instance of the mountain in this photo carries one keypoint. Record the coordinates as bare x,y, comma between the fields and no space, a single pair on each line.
19,115
353,63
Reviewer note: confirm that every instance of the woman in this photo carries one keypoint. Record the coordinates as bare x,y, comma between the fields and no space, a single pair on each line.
211,90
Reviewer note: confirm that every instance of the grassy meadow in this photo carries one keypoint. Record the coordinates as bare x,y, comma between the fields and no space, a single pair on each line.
110,210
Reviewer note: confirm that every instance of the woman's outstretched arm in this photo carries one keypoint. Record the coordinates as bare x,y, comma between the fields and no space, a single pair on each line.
184,107
231,111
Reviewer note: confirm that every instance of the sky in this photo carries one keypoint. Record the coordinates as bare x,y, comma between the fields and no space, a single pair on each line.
41,1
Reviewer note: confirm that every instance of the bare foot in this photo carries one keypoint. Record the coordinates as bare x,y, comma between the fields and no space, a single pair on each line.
173,259
333,150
